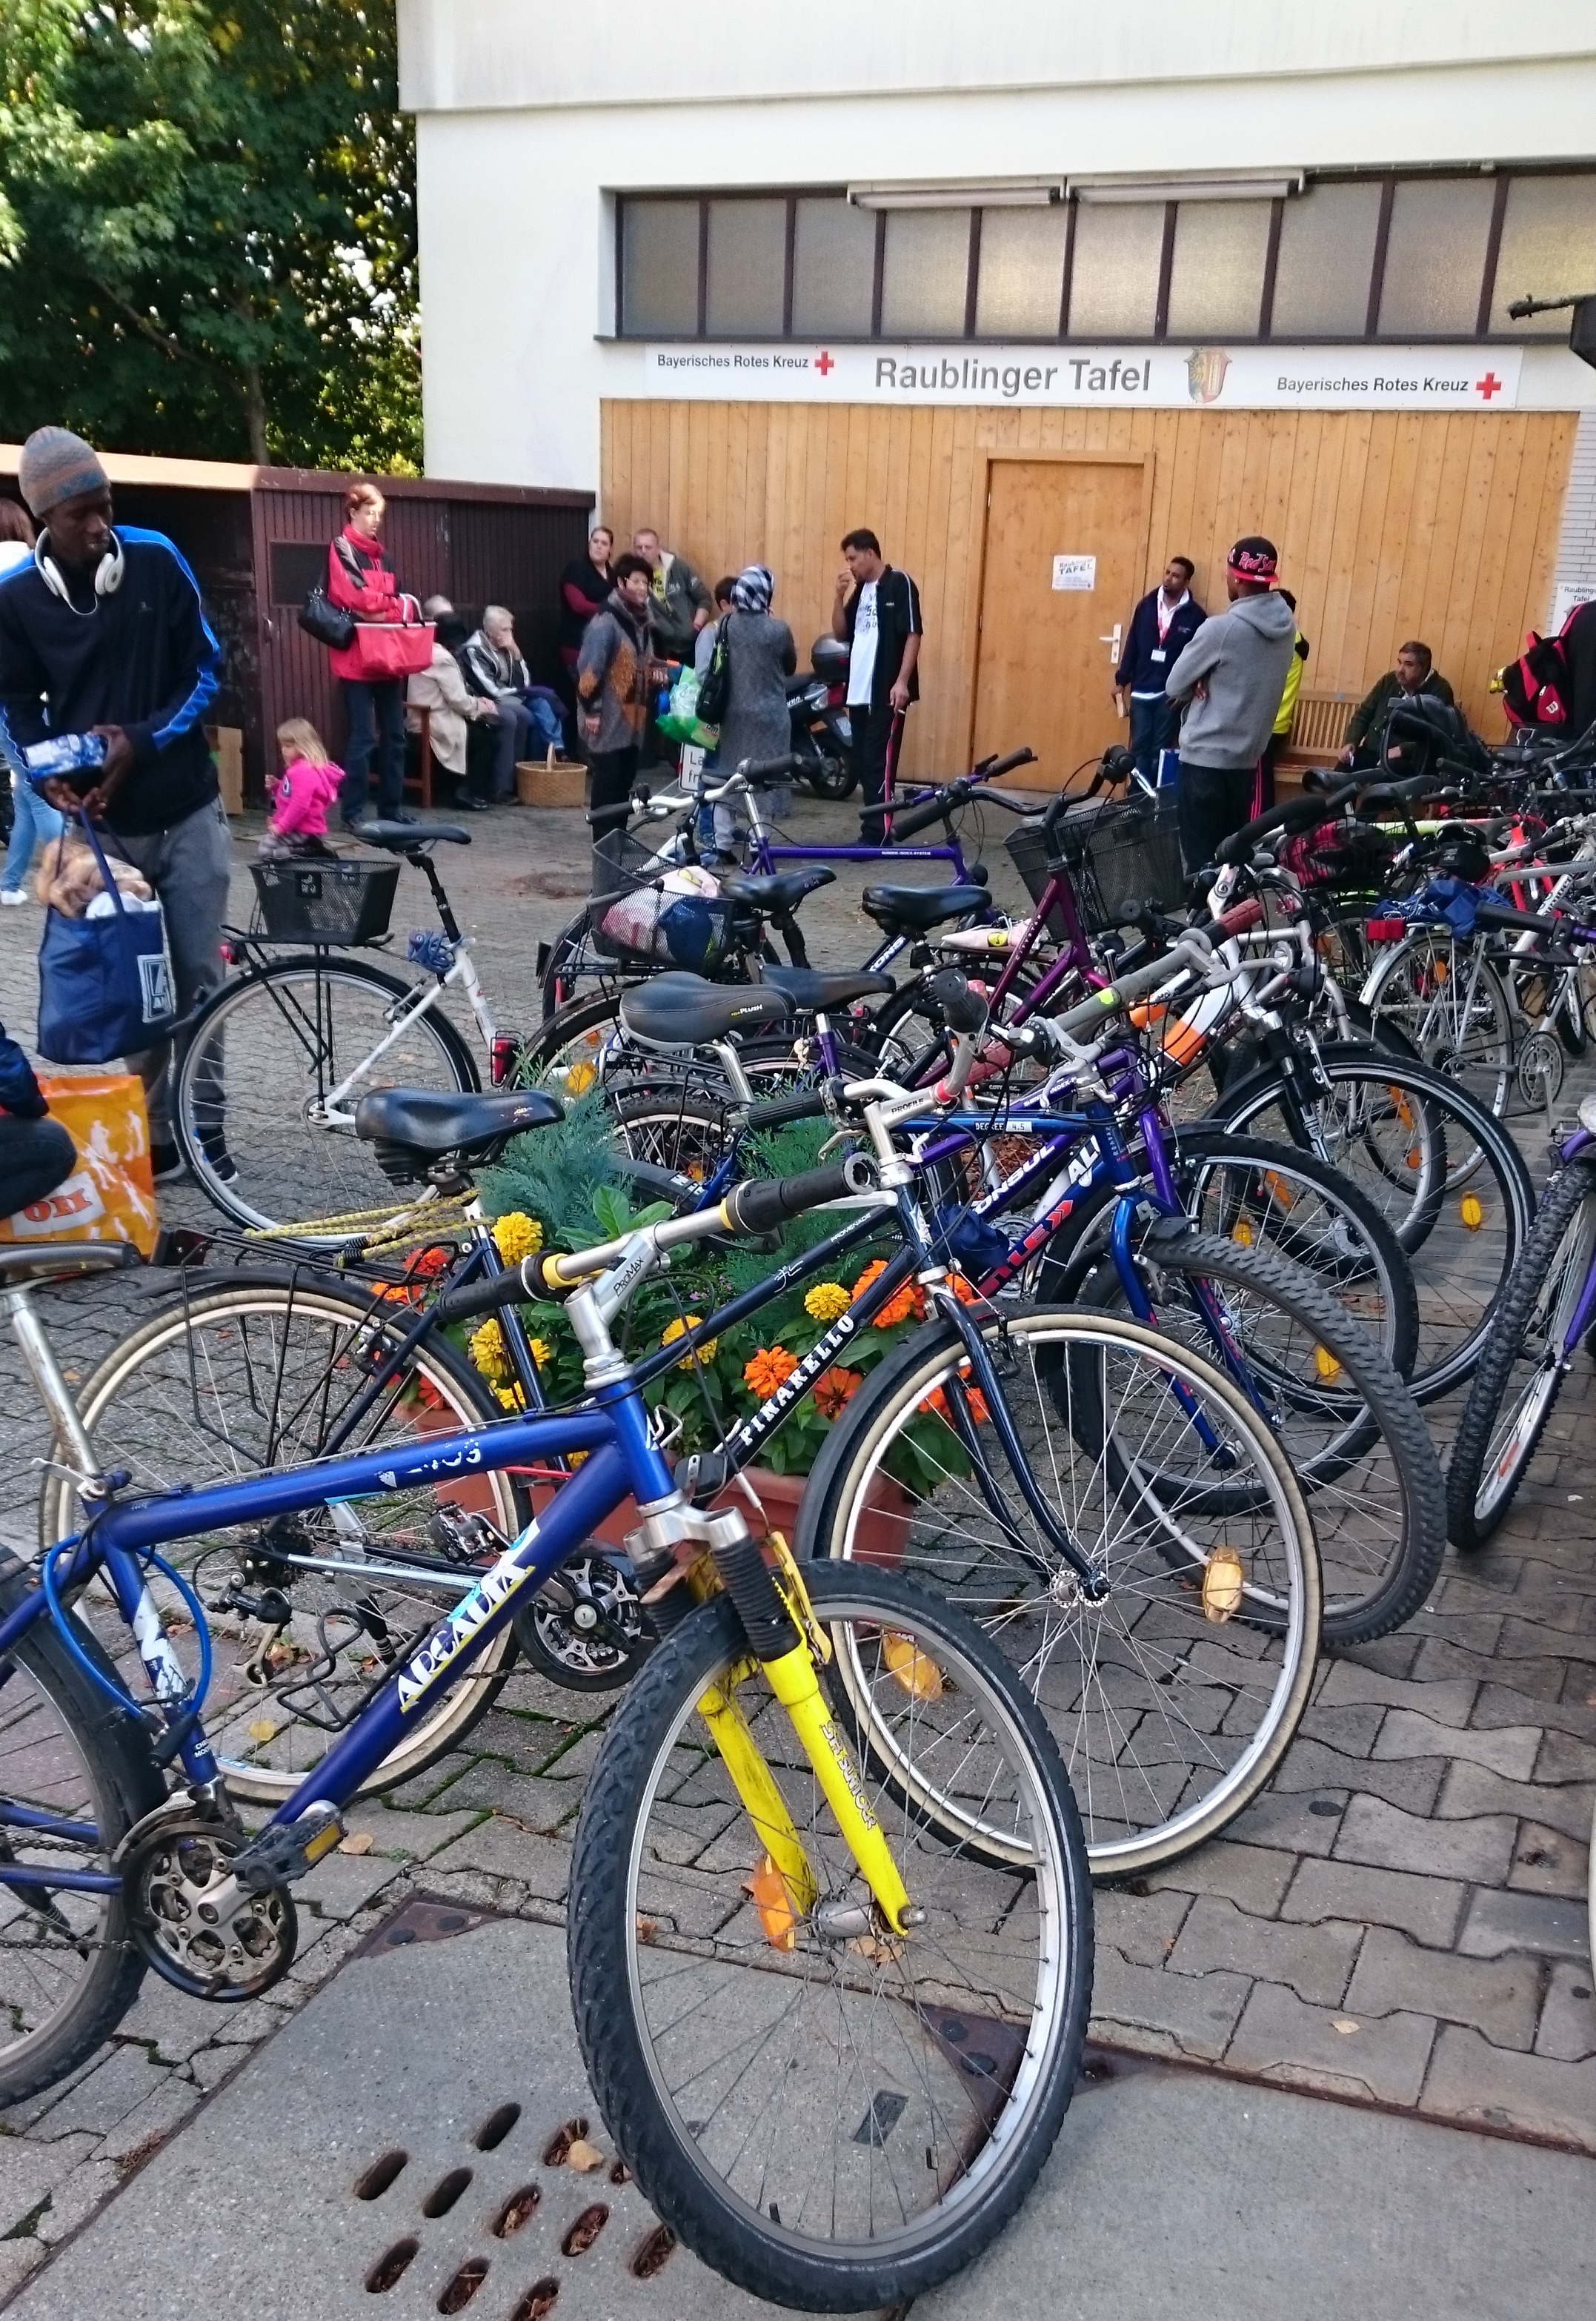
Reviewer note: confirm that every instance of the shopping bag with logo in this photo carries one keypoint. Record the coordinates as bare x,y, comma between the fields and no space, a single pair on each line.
109,1195
104,983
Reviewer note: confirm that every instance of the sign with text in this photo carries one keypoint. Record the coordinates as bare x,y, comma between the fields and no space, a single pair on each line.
1075,571
1234,379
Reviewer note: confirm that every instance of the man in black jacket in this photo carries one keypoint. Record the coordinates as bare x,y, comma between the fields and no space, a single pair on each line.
104,634
876,615
1161,628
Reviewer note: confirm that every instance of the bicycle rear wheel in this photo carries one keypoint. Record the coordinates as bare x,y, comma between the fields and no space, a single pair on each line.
831,2117
68,1972
1172,1708
261,1373
250,1109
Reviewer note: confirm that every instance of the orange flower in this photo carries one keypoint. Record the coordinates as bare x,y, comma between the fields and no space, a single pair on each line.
964,1291
767,1368
910,1299
936,1405
834,1389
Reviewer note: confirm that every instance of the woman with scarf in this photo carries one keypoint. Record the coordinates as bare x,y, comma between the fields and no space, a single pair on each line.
757,726
612,675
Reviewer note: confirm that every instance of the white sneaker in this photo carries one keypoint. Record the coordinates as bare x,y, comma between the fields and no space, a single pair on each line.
11,895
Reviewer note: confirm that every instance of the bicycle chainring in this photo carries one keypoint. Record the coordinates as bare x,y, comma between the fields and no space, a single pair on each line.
169,1878
585,1629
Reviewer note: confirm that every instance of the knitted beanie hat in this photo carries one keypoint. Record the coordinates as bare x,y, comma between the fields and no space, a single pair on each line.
57,464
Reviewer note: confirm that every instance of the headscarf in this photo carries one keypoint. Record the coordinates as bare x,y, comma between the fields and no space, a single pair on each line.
753,590
1254,558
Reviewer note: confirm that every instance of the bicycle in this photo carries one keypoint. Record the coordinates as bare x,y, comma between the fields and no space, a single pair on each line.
896,1793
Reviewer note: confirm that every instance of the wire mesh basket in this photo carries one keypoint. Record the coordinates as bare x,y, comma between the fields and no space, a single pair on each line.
337,901
649,909
1118,858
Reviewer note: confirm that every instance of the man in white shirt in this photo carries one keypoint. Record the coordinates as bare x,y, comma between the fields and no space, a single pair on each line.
1161,628
875,613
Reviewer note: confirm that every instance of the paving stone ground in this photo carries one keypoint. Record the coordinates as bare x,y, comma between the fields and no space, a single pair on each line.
1400,1919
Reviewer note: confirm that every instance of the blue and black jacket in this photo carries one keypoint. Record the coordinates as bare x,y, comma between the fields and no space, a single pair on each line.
143,658
1137,668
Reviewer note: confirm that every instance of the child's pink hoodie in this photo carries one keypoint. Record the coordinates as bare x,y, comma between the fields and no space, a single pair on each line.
303,798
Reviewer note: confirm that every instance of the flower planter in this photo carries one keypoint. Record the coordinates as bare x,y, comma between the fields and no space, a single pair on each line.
878,1536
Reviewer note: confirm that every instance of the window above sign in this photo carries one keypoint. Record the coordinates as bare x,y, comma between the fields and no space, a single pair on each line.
1439,255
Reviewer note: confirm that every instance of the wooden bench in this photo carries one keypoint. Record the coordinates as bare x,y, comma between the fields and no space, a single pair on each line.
1318,734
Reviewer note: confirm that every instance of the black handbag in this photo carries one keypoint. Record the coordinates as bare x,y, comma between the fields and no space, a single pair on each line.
714,694
328,622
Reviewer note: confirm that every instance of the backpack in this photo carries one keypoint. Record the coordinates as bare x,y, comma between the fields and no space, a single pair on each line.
1535,687
714,691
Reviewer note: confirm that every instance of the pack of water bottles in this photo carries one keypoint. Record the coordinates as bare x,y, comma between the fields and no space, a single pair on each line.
74,757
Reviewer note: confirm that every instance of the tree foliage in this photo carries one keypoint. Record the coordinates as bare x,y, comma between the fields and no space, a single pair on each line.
207,229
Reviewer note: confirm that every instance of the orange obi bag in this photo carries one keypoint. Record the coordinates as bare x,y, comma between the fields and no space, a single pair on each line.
109,1195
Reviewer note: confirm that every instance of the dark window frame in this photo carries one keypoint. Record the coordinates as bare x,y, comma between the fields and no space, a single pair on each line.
1388,179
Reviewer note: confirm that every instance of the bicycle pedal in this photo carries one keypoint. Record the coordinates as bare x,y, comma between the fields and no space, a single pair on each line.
284,1850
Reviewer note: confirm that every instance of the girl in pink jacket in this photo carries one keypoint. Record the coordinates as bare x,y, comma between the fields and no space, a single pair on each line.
302,794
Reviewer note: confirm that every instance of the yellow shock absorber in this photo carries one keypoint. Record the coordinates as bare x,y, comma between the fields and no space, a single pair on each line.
792,1679
767,1808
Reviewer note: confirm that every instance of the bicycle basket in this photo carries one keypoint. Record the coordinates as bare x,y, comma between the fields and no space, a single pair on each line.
332,902
1116,856
1340,858
647,910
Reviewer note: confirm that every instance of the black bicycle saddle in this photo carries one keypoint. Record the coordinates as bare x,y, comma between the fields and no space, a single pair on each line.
922,906
398,837
778,892
684,1011
436,1119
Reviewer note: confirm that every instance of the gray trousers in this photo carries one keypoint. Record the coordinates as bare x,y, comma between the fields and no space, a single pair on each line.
188,866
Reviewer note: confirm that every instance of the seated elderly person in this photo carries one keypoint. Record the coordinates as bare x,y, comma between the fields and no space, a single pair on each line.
443,691
529,715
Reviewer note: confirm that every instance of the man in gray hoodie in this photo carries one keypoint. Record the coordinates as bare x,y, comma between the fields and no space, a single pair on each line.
1231,675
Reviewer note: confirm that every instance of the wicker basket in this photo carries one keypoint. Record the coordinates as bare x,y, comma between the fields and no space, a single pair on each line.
331,902
551,781
1116,856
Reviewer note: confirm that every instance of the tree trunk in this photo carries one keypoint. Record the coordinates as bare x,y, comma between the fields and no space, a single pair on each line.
255,404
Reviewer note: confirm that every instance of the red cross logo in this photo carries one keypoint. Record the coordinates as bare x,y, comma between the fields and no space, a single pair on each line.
1489,386
824,363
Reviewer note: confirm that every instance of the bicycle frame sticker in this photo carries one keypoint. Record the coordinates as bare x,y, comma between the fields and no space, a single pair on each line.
508,1575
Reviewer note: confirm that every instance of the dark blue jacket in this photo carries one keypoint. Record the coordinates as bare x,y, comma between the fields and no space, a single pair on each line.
19,1090
1137,668
144,659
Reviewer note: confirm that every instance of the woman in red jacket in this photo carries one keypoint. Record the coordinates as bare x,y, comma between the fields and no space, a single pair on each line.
360,578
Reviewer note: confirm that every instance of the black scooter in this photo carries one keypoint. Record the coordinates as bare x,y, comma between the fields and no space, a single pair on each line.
822,731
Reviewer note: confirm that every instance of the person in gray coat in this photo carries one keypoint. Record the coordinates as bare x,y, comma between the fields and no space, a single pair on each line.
757,726
1230,676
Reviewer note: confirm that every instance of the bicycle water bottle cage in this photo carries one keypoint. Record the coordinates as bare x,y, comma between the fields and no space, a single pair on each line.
428,948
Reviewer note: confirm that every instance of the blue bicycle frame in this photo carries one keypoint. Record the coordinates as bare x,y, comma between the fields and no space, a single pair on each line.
622,1458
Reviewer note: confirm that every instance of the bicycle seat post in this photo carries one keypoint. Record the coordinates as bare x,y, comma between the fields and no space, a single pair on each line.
17,1304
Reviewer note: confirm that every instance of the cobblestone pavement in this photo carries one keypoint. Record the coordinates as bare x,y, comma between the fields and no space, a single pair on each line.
1401,1918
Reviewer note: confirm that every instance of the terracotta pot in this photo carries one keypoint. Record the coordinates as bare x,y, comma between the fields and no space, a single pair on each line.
878,1537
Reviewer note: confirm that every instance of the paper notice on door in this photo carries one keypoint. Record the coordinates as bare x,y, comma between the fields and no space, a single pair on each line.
1075,571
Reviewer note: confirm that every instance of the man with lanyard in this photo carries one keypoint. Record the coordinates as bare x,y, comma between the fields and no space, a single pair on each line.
1161,628
879,622
104,632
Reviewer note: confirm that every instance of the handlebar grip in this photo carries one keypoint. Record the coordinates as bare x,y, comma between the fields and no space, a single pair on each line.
996,765
769,770
960,1008
1237,920
1293,813
761,1204
775,1111
489,1296
920,817
1088,1018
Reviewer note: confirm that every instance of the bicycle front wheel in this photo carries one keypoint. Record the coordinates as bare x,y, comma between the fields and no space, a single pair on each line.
1172,1698
832,2118
1447,999
254,1112
308,1613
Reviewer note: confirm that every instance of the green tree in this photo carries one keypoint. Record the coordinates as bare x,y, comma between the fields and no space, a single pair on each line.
207,229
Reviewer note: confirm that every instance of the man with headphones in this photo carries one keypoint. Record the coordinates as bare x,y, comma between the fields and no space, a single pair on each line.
104,632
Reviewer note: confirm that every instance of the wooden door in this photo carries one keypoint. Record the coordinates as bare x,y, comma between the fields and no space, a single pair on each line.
1064,553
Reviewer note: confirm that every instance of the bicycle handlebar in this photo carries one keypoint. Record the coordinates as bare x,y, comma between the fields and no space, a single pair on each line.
759,1205
1291,814
1087,1018
775,1111
906,822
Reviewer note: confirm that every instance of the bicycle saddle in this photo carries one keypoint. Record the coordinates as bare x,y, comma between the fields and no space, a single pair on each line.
922,906
399,836
435,1120
684,1011
807,987
777,893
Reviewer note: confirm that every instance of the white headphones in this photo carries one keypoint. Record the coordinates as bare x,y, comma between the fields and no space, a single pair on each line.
108,573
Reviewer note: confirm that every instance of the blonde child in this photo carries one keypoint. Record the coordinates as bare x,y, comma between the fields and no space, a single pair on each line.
302,795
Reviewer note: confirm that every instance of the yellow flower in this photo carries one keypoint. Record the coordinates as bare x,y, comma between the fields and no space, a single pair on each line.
679,1329
826,1300
542,1353
517,1236
488,1350
511,1396
579,1078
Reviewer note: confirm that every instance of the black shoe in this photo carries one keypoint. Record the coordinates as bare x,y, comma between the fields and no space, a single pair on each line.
467,805
219,1160
167,1164
399,814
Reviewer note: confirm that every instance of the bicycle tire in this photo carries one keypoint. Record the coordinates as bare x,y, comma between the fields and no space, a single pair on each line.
1138,1816
1453,1147
1476,1042
206,1384
992,2117
1373,1484
117,1778
332,1171
1483,1476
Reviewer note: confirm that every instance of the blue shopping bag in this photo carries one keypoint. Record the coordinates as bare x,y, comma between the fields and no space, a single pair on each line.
105,986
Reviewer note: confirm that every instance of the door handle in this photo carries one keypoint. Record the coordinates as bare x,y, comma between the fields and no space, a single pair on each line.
1112,643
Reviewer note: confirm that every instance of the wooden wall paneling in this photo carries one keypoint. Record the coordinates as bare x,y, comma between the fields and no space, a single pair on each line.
1469,520
1440,603
1336,597
1386,612
1417,541
1364,570
1492,609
